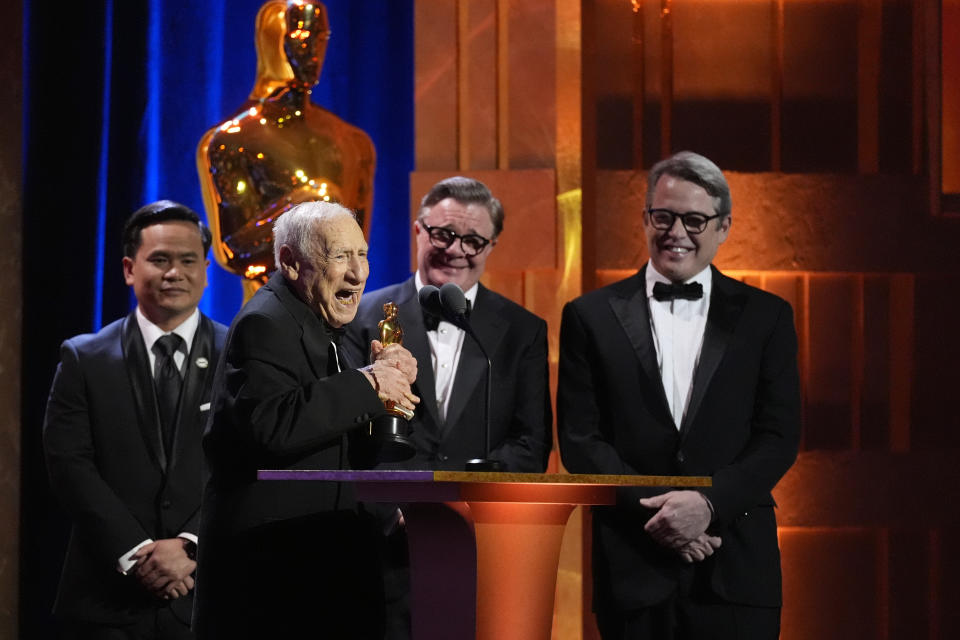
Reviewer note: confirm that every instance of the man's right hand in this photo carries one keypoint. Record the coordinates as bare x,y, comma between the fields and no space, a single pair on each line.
700,548
177,589
390,383
163,568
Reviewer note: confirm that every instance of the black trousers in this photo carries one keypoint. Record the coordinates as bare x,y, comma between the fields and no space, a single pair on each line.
316,577
160,624
690,613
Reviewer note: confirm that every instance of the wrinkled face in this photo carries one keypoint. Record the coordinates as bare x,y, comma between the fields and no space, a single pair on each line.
438,266
331,283
168,273
677,253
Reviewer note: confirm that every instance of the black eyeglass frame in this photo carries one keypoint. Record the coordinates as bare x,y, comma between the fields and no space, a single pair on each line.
453,236
683,220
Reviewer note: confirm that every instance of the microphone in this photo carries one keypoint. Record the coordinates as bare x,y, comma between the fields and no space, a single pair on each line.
453,304
429,297
449,303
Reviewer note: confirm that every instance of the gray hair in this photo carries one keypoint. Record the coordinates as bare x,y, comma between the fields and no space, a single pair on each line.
297,228
465,191
692,167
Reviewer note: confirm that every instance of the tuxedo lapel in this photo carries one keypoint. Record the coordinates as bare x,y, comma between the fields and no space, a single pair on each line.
313,334
141,382
725,310
631,311
415,341
490,327
198,371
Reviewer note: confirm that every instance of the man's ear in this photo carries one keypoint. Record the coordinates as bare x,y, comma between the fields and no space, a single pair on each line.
128,270
288,263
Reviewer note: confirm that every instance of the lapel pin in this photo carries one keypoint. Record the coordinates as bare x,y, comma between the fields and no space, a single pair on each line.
202,363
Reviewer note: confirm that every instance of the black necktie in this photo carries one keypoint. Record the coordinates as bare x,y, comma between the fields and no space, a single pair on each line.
691,291
431,322
167,380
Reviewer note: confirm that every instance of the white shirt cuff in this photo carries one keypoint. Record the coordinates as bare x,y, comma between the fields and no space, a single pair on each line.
126,561
189,536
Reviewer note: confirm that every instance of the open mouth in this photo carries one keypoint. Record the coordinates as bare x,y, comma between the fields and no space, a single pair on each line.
348,297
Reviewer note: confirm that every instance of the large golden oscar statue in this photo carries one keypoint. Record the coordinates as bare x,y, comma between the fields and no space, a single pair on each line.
280,149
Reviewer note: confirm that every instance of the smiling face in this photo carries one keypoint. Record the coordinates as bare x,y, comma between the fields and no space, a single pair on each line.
168,273
676,253
332,282
438,266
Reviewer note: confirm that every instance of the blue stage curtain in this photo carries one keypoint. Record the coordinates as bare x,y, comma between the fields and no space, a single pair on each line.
152,76
117,93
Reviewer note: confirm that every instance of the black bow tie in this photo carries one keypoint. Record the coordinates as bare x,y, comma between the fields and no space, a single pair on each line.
690,291
431,322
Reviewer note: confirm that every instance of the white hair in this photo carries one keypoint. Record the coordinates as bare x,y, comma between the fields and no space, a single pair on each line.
297,228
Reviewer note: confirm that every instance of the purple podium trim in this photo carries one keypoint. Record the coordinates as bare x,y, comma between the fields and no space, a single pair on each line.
345,476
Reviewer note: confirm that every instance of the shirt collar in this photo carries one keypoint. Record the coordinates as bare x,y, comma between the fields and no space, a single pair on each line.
470,294
151,332
705,278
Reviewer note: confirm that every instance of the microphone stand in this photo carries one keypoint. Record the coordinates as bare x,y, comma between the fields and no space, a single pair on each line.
453,306
485,463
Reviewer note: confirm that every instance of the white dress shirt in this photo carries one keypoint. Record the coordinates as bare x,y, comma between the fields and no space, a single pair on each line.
446,344
151,333
678,327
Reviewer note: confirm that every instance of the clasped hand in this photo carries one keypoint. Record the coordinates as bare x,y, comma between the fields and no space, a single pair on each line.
163,568
680,523
393,370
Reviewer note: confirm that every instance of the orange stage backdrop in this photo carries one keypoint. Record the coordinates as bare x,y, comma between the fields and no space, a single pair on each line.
835,120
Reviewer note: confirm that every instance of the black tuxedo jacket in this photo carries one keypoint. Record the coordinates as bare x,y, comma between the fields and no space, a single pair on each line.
109,469
278,403
741,427
521,419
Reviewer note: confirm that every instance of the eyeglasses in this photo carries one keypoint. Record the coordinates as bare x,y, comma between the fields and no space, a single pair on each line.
693,221
471,243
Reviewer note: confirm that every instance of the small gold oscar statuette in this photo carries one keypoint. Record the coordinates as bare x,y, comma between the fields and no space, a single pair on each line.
390,433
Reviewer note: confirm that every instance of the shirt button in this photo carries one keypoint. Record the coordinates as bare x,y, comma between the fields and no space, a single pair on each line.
443,366
444,331
166,504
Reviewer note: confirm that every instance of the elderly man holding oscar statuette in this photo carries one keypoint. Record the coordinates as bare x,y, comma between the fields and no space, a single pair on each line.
287,557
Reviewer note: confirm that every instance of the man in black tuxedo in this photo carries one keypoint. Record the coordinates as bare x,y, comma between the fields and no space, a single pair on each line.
680,370
122,439
456,230
284,557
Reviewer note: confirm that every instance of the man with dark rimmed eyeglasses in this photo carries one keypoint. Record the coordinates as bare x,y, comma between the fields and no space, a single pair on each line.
679,370
457,228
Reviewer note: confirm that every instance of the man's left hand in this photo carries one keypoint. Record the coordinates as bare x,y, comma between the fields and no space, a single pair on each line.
161,563
680,518
396,356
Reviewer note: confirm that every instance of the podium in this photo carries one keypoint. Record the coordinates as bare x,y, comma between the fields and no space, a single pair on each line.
484,547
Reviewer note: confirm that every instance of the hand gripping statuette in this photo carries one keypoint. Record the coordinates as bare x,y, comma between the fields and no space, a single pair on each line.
390,433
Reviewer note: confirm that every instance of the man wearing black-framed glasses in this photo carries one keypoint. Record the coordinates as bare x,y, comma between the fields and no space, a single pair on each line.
457,227
680,370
